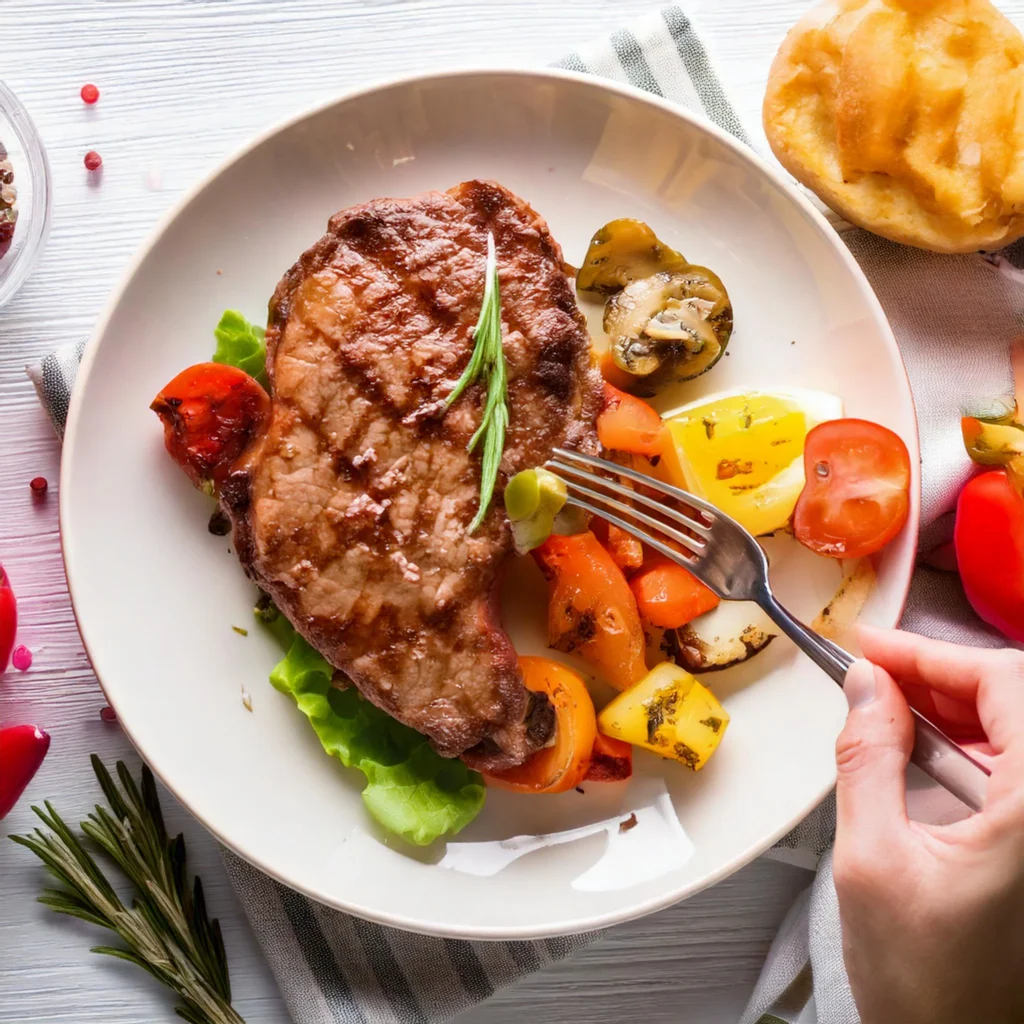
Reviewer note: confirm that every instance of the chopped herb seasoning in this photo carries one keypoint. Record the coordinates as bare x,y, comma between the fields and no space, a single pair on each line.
658,709
687,755
265,610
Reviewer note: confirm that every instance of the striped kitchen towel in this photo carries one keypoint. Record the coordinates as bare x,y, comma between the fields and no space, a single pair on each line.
336,969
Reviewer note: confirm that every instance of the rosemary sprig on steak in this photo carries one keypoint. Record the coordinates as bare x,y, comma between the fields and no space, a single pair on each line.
488,361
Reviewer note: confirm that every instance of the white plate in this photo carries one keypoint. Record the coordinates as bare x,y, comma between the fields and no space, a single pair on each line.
156,594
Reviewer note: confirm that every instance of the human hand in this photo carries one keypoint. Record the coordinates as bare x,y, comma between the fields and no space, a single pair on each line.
932,916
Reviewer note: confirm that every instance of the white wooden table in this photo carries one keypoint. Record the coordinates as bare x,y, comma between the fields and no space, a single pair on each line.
185,82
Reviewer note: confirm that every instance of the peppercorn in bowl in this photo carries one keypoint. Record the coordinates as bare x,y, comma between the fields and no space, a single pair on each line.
25,194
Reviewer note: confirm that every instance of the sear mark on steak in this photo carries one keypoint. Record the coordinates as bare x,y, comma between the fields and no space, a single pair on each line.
352,509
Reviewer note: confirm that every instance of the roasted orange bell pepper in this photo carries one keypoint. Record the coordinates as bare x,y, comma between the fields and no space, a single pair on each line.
563,765
591,610
629,424
668,596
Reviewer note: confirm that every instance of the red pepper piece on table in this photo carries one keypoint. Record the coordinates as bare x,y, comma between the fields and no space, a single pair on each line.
8,619
989,537
22,749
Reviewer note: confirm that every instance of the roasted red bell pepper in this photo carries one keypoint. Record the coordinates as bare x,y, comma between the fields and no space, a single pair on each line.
210,413
610,761
8,619
668,596
989,538
22,749
629,424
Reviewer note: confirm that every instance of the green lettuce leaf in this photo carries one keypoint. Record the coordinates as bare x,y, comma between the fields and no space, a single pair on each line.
241,344
410,789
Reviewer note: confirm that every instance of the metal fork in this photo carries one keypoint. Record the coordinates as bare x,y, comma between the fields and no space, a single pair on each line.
728,560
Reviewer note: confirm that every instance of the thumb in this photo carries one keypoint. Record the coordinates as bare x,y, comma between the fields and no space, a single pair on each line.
871,756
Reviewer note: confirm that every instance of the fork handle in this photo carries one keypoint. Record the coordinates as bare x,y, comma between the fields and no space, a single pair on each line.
934,752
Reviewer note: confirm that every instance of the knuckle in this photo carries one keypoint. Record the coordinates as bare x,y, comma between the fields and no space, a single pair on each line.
852,753
1009,666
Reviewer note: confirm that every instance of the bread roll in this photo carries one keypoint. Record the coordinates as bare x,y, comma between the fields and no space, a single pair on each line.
906,117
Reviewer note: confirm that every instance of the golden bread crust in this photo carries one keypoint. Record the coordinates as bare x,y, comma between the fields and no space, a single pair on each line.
906,117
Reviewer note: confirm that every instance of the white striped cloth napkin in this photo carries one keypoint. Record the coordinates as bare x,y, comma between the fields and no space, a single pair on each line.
955,318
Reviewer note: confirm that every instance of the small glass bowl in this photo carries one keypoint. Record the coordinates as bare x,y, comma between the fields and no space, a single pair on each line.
34,202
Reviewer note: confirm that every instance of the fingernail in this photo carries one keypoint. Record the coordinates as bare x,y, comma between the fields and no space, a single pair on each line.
860,686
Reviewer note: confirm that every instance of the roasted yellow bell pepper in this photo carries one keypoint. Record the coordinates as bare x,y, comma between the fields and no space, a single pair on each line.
668,712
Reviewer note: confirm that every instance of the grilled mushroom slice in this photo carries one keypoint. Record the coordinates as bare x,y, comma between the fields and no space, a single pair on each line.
624,250
675,325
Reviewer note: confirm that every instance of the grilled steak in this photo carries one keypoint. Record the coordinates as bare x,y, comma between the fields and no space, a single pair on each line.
352,510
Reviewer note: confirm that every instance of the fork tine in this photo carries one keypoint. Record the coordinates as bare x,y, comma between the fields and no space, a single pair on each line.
648,481
693,565
612,485
694,545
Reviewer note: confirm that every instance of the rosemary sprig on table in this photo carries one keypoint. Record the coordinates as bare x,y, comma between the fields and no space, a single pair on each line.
167,930
488,361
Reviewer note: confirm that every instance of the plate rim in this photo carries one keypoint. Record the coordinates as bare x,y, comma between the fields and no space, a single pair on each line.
696,121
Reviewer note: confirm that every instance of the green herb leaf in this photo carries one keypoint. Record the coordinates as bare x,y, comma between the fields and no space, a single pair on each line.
166,929
488,361
410,789
241,344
